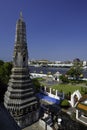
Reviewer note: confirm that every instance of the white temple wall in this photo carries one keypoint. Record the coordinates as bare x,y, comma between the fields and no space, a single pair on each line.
72,101
50,94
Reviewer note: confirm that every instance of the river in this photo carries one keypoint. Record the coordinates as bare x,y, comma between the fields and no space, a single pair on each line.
52,70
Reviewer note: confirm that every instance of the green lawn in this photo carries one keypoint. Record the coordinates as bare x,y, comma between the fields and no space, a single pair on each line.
66,88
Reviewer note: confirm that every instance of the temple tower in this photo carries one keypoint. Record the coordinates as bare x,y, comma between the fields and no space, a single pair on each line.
19,98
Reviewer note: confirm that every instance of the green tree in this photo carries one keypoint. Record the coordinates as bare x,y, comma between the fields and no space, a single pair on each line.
3,88
75,71
1,62
36,84
65,103
5,71
64,78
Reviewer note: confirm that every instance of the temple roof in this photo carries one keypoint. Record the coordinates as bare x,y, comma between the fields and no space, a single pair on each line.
82,103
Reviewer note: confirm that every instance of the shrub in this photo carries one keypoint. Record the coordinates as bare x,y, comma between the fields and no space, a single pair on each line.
64,78
36,84
65,103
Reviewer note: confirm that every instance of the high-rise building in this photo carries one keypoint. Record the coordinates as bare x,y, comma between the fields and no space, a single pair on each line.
20,98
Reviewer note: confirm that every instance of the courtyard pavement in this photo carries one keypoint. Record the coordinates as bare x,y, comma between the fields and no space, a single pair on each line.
34,126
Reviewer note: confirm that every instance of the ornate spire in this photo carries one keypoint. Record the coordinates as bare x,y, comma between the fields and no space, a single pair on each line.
20,57
21,16
20,98
20,36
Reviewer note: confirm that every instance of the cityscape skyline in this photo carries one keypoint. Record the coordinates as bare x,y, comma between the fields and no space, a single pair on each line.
56,29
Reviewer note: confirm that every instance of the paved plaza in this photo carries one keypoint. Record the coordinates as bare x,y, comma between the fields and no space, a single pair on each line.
34,126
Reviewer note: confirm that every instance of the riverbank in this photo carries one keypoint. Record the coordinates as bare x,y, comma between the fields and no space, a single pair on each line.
53,70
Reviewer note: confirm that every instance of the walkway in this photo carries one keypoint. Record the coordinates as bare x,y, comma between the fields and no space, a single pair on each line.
34,126
83,120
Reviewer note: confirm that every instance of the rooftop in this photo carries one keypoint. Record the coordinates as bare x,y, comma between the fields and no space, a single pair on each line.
82,104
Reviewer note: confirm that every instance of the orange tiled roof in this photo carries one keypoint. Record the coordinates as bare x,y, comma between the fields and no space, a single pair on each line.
82,106
83,98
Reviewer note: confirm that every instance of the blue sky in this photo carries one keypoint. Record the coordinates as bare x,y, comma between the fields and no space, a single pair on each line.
56,29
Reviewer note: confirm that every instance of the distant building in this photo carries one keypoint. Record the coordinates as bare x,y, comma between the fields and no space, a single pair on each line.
19,98
76,60
56,76
84,63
